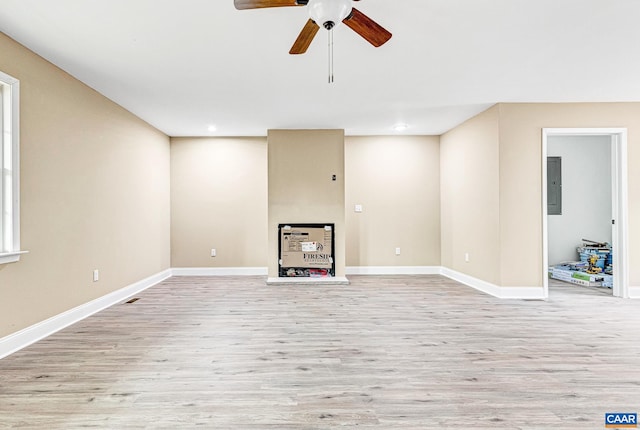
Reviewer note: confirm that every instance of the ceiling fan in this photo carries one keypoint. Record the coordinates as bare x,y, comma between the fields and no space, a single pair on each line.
327,13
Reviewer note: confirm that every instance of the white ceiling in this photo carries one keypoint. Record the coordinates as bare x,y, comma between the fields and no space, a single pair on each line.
183,65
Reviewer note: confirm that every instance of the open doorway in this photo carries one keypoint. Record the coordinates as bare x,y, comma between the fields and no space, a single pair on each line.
579,198
600,208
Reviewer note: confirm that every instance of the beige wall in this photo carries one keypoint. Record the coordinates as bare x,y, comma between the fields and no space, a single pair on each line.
492,187
396,179
219,200
470,177
301,164
521,178
95,195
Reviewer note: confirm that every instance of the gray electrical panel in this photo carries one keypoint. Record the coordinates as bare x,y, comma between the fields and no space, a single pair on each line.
554,185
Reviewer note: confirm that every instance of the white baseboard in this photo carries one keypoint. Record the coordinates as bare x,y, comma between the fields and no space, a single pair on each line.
529,293
219,271
393,270
23,338
634,292
478,284
335,280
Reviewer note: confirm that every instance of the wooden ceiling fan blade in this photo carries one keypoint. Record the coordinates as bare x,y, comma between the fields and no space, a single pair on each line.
257,4
370,30
305,38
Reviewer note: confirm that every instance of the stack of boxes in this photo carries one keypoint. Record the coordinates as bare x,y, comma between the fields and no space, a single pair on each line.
571,273
602,253
576,272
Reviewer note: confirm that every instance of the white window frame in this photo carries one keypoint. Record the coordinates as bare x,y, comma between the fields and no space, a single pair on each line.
9,169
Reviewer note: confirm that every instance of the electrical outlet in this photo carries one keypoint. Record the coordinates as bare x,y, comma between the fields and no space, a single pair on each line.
466,257
96,275
358,208
213,252
397,251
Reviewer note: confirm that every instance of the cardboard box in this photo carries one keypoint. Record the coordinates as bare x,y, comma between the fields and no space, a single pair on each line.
585,283
587,276
578,278
306,247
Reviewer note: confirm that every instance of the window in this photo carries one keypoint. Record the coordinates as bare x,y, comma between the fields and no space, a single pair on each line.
9,170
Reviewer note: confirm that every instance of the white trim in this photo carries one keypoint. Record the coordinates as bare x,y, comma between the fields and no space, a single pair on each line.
620,202
470,281
23,338
219,271
393,270
11,257
331,280
634,292
621,215
526,293
13,247
545,220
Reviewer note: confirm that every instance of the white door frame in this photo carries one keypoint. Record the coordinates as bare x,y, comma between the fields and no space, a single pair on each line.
619,203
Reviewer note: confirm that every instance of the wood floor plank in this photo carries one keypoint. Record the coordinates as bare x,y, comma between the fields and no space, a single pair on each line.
403,352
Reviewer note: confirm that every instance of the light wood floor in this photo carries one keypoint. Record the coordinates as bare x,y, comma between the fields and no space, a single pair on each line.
409,352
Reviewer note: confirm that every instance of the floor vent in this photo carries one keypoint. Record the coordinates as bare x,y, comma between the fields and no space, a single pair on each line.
135,299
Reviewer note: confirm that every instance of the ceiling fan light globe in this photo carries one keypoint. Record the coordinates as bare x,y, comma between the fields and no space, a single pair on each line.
323,11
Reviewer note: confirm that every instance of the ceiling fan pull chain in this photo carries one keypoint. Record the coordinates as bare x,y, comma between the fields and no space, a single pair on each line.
330,55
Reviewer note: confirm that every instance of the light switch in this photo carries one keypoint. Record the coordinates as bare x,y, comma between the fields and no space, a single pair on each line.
358,208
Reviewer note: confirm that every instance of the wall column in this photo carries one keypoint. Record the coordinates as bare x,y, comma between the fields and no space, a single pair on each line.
302,165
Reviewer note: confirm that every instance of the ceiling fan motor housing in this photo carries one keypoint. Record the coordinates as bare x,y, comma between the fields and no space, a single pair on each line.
329,13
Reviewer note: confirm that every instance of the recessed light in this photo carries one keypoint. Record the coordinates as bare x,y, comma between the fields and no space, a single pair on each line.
400,127
212,128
